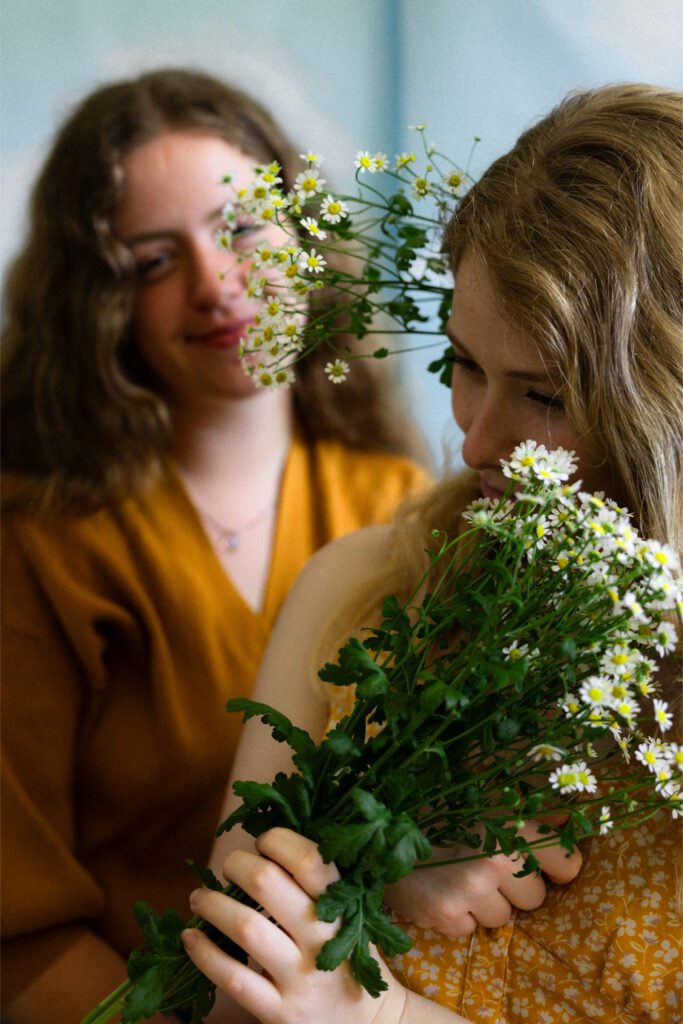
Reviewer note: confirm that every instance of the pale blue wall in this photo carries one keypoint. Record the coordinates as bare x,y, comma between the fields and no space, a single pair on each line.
340,74
492,67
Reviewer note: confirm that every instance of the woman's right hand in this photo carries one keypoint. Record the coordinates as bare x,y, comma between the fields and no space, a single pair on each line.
285,877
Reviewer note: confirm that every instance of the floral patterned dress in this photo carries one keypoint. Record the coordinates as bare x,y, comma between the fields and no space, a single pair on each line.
606,949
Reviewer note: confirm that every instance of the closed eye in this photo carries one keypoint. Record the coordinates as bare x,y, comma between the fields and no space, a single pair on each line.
549,401
243,235
463,361
153,267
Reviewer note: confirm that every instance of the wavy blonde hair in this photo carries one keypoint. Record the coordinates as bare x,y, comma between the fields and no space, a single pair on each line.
579,228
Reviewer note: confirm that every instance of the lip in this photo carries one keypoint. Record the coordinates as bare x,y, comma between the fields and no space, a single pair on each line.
225,336
493,493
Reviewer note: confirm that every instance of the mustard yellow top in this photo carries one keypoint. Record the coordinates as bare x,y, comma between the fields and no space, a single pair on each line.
123,638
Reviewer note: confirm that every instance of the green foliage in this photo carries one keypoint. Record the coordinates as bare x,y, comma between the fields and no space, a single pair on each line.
454,692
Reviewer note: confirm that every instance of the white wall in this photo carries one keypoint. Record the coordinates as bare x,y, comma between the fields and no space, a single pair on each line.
340,74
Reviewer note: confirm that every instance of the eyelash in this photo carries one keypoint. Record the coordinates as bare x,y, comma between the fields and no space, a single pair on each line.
241,232
147,267
549,401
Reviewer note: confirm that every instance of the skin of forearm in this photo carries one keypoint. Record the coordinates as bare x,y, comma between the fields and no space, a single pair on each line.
404,1007
418,1010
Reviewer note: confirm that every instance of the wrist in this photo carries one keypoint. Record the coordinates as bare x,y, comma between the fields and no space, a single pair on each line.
393,1005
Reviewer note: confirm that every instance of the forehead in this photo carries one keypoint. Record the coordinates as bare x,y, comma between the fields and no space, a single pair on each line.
174,173
479,325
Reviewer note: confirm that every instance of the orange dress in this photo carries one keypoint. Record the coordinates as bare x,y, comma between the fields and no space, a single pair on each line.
123,638
606,949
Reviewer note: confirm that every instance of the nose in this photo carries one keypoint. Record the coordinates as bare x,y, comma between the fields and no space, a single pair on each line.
489,434
217,277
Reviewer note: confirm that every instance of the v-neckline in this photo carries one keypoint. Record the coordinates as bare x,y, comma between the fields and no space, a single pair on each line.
267,612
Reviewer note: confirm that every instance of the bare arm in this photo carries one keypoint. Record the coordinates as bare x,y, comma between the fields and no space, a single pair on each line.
287,675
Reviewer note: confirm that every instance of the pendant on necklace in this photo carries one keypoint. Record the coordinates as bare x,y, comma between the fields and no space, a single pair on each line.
230,541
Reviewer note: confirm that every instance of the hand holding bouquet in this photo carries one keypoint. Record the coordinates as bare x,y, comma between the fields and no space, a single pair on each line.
518,682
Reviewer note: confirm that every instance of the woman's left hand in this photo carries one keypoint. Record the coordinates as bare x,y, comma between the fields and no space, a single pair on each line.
285,877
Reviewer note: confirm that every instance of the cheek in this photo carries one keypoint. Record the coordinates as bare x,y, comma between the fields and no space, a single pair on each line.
460,402
152,310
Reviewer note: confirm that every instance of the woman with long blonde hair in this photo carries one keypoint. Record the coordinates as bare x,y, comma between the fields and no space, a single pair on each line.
566,330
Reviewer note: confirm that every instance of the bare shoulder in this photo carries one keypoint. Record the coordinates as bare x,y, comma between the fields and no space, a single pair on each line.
336,570
323,588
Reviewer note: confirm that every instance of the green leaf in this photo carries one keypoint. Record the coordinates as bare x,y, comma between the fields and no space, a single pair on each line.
283,729
356,665
444,367
206,876
146,998
344,843
338,949
366,971
340,744
391,939
407,845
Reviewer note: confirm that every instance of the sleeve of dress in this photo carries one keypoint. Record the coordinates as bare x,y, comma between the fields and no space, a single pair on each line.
44,885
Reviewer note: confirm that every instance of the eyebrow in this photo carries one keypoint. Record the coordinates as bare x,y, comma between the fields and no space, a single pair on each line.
158,234
530,376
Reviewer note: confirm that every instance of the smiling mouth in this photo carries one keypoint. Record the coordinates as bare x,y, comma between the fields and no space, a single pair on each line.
222,337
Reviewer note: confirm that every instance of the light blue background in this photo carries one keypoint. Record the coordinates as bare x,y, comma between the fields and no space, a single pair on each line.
340,74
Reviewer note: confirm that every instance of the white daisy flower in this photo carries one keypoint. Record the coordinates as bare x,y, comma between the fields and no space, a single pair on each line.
312,261
571,706
311,158
662,715
307,184
564,778
632,605
660,556
576,778
479,505
626,707
523,458
619,660
454,181
337,371
605,820
664,640
546,752
650,753
403,159
421,188
674,754
364,161
515,651
311,225
332,209
223,239
596,692
263,255
587,782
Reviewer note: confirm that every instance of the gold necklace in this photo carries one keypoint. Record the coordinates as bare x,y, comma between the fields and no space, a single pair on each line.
229,540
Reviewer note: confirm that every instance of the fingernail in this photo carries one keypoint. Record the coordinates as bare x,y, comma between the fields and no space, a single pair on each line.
189,937
195,897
